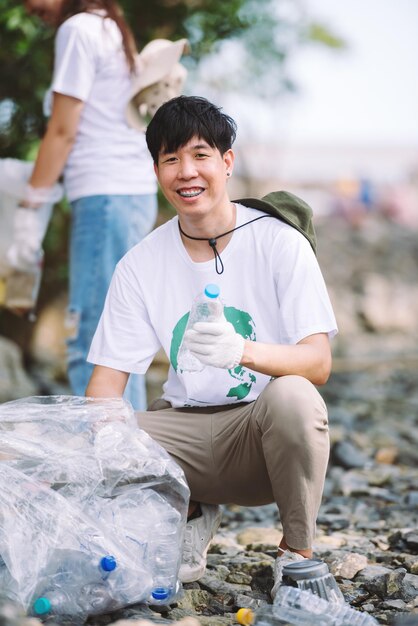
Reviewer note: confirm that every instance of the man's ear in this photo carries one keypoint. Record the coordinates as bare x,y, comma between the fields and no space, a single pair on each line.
229,158
156,169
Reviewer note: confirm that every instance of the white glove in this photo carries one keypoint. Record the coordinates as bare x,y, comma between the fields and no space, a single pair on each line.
34,197
216,344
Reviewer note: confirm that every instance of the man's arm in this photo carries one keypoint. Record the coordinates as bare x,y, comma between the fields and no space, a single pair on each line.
310,358
106,382
219,345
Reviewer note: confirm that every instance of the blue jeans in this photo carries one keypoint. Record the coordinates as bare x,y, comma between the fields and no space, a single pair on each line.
104,228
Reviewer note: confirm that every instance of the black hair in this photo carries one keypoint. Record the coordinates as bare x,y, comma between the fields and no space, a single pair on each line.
182,118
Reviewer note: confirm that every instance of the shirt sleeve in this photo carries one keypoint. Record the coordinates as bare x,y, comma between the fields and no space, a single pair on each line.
125,338
75,61
305,306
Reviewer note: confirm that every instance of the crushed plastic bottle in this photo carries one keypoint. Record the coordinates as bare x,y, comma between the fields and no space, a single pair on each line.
77,584
207,307
56,601
265,616
61,602
301,607
295,607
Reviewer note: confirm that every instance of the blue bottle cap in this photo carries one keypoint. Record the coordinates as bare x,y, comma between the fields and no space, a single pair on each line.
42,606
160,593
212,290
108,563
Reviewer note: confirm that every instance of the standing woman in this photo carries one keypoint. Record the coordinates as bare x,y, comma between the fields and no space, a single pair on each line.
108,172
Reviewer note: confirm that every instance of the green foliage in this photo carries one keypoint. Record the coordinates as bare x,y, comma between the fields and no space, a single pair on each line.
26,65
319,33
264,31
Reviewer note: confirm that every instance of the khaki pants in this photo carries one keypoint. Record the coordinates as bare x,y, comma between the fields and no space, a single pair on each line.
272,450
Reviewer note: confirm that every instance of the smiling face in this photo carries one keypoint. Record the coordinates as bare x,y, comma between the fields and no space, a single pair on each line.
47,10
193,179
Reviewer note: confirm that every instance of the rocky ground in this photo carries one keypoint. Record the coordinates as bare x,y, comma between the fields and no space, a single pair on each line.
367,526
368,522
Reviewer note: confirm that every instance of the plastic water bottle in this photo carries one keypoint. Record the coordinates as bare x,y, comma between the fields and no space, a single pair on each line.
73,600
295,607
165,567
56,601
268,616
207,307
79,587
300,607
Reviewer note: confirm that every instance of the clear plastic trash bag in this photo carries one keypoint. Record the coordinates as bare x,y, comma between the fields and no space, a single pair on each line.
92,510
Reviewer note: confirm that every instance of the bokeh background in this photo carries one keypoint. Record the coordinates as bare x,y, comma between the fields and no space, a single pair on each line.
325,96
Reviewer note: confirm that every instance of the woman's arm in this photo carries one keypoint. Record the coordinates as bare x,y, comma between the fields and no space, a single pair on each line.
57,142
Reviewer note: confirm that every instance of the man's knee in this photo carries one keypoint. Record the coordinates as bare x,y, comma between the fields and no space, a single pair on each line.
293,409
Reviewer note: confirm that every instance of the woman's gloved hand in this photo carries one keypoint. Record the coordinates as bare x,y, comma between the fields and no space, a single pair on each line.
215,343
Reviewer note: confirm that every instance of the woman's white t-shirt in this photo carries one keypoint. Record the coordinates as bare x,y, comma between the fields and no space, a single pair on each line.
272,290
108,157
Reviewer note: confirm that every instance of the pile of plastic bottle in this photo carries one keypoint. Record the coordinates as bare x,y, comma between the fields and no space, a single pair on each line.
92,510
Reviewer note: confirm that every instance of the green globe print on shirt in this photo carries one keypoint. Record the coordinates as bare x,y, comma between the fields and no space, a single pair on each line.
244,325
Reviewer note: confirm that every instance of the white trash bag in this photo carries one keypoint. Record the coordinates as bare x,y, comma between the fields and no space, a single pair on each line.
92,510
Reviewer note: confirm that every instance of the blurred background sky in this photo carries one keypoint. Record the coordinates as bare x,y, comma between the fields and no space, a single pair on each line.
369,91
354,114
365,93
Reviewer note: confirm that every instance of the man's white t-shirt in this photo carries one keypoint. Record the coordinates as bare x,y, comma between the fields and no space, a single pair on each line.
108,157
272,290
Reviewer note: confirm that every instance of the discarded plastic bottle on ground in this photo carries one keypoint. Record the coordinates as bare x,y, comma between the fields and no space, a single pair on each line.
266,616
313,575
295,607
207,307
301,607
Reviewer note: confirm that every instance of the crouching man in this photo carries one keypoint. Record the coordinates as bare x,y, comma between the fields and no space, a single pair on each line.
251,427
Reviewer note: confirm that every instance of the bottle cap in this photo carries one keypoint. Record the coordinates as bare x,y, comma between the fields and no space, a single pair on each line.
245,617
42,606
160,593
306,569
108,563
212,290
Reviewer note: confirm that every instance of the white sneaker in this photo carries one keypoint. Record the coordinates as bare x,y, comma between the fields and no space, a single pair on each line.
197,537
280,562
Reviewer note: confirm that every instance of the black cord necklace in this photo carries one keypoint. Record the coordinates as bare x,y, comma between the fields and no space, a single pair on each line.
212,241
